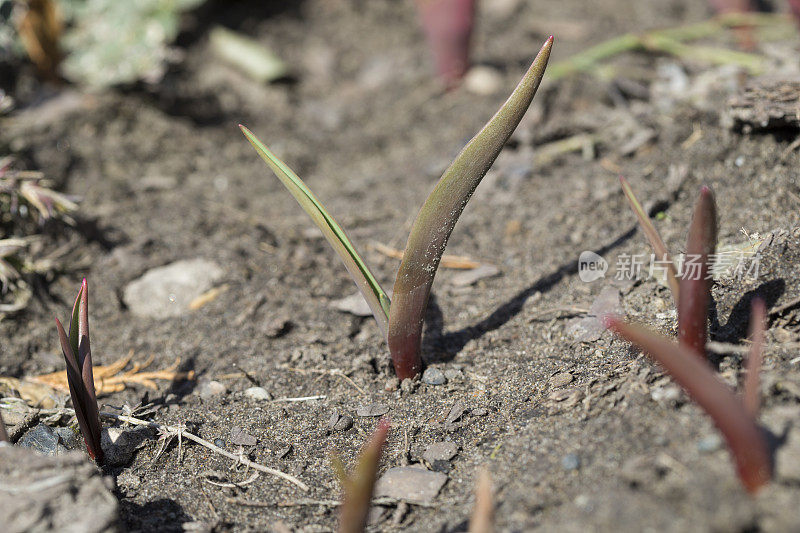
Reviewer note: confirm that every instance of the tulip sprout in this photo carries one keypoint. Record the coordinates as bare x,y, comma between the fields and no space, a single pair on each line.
78,355
735,416
401,320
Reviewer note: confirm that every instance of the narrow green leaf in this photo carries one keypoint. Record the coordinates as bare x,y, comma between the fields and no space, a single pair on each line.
373,293
438,217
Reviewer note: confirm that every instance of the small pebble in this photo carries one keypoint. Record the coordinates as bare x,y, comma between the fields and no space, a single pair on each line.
440,451
410,483
258,393
372,409
668,394
709,444
240,437
453,374
283,452
483,80
571,462
44,440
339,422
433,376
480,411
219,443
440,465
355,304
277,327
211,388
561,379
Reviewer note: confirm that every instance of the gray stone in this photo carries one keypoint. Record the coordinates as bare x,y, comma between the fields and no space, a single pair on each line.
440,465
372,409
209,389
120,444
433,376
240,437
440,451
561,379
50,441
167,291
277,327
483,80
344,423
62,493
410,483
571,461
339,422
453,374
258,393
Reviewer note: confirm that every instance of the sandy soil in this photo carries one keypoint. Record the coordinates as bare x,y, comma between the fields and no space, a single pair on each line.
577,435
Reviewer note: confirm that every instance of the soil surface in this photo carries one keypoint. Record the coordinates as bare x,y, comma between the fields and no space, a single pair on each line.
578,432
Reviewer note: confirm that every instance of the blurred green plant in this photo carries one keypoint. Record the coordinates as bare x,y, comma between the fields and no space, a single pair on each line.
110,42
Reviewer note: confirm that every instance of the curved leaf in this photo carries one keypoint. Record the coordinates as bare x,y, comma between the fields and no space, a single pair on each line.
373,293
438,217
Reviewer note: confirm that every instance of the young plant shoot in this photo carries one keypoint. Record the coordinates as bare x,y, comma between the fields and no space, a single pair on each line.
692,291
448,26
78,355
735,416
359,485
401,322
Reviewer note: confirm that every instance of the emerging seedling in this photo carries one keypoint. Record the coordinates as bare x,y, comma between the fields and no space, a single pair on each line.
359,485
735,416
78,355
692,290
482,520
401,322
448,27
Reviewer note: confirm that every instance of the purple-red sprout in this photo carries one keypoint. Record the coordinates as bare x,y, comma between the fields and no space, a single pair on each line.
438,216
746,440
751,393
78,356
695,279
448,27
360,484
